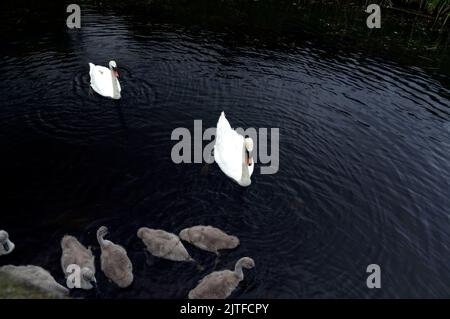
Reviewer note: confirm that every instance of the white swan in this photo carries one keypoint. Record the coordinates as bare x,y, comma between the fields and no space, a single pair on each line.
6,246
232,152
104,81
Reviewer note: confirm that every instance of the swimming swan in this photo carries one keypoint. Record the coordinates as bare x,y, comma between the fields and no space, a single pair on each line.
209,238
105,81
114,260
74,253
232,152
6,246
164,244
37,277
220,284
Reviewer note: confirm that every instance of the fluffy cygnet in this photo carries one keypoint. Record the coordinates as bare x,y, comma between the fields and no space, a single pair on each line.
164,244
114,260
220,284
74,253
209,238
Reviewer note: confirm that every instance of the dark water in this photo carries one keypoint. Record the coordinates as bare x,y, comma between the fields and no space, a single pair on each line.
364,159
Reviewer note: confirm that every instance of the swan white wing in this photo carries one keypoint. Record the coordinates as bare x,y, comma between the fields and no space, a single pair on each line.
101,80
228,149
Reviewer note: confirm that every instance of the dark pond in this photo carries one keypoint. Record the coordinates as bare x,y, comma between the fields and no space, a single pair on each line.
364,172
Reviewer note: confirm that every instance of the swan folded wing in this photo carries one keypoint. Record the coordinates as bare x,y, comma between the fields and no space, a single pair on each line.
217,285
101,80
76,253
119,264
223,127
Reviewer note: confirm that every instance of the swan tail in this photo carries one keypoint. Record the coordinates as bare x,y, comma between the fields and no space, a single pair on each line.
222,127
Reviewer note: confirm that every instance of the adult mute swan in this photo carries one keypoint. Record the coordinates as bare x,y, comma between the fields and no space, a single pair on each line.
6,246
232,152
220,284
105,81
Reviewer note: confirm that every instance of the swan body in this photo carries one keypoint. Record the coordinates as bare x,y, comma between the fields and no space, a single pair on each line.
74,253
164,244
209,238
232,152
114,260
105,81
37,277
220,284
6,246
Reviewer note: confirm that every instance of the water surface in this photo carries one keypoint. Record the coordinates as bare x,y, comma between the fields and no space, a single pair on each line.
364,159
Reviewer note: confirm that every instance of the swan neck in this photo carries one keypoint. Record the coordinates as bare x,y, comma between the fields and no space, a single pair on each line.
100,240
238,270
114,85
245,179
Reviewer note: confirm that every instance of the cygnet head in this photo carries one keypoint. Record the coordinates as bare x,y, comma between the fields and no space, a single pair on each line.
4,241
3,236
247,262
141,231
184,234
189,237
101,233
234,241
89,277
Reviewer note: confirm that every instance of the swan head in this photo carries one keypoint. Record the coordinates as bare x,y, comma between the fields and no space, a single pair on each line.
101,233
248,142
190,237
88,277
184,234
141,232
246,262
6,246
113,68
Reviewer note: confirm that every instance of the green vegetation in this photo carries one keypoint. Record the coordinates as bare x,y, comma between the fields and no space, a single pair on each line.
438,9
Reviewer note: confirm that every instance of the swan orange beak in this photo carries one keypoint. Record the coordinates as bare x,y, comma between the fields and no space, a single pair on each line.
248,159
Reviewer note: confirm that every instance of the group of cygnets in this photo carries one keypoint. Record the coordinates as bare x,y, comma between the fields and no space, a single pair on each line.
117,266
